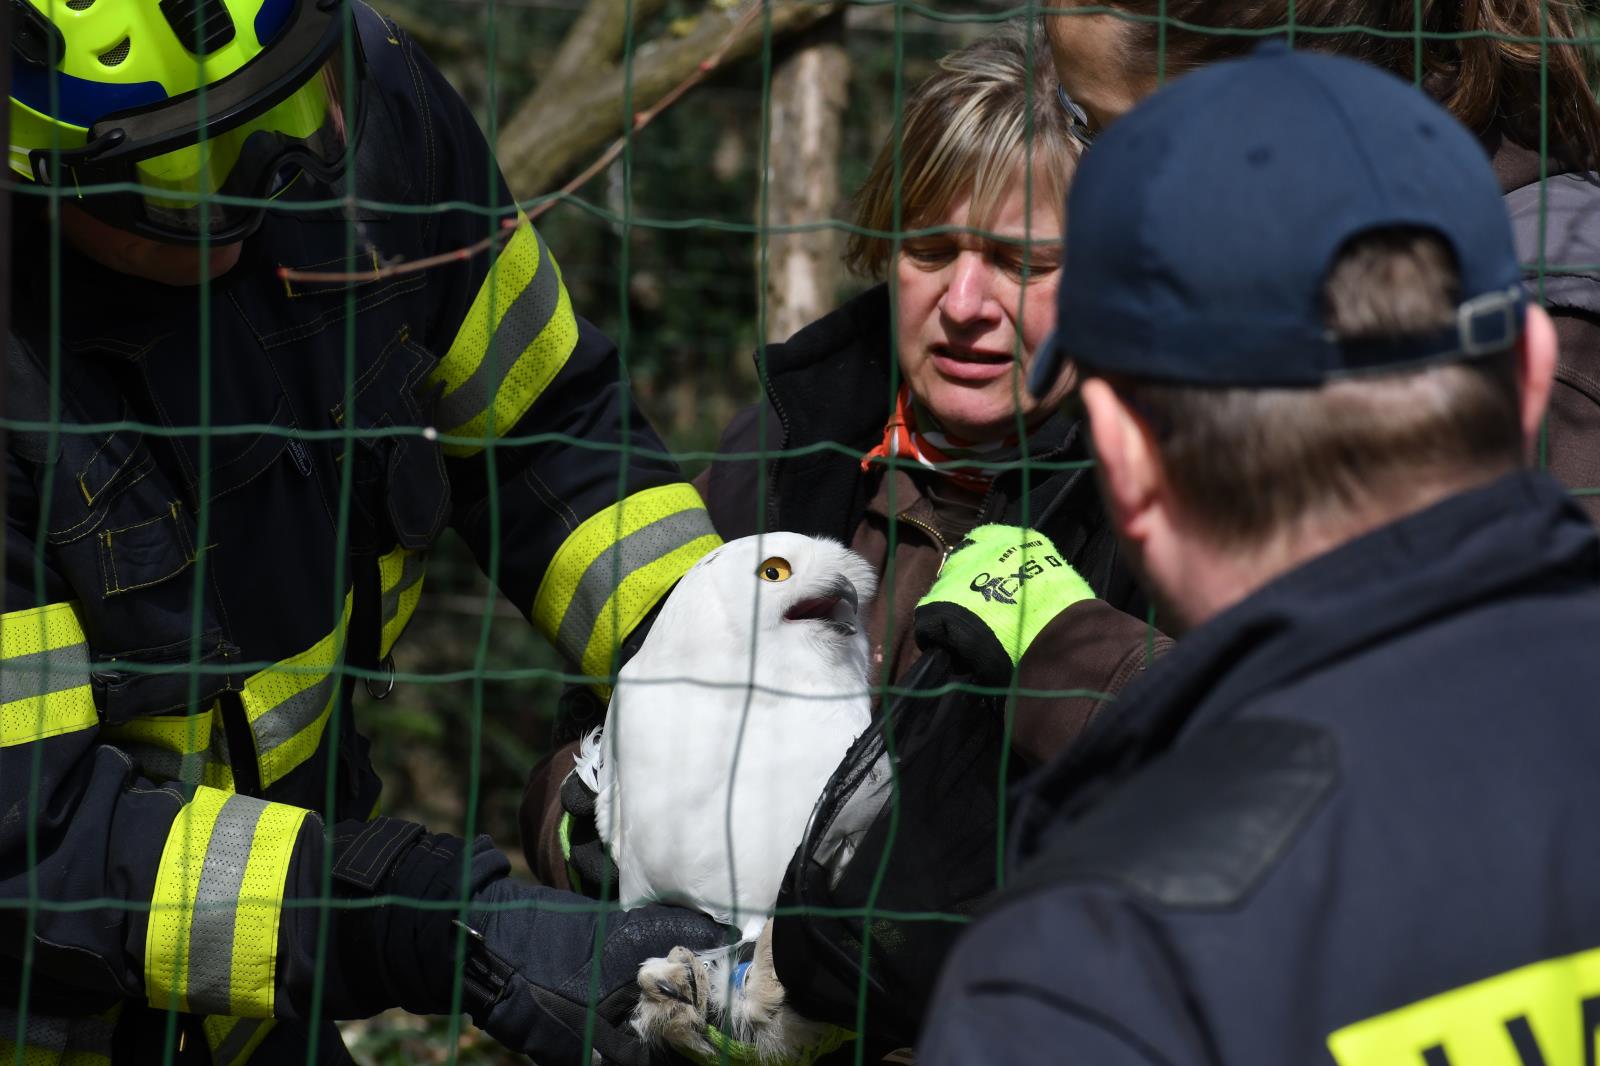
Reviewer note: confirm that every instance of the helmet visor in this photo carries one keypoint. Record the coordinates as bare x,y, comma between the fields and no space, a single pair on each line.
218,185
188,173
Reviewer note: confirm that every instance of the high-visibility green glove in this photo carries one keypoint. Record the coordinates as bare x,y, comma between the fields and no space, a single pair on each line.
994,595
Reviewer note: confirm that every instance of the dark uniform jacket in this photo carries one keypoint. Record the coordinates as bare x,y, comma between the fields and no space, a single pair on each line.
237,512
1349,820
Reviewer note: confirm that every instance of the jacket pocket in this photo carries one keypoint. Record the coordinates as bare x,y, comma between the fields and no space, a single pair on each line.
102,467
146,553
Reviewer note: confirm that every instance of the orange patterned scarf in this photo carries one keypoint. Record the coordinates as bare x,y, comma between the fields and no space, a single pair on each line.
912,435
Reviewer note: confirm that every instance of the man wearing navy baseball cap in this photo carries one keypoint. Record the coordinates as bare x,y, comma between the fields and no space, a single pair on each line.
1351,817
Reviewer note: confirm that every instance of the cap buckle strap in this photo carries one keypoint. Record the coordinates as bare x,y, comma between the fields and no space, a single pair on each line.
1488,323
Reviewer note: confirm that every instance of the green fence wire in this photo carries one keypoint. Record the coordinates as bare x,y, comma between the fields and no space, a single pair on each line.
667,249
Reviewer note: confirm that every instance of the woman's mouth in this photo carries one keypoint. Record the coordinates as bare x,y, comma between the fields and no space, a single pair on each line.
970,365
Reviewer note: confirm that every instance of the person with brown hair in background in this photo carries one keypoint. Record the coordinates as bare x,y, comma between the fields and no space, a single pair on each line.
1349,817
1531,105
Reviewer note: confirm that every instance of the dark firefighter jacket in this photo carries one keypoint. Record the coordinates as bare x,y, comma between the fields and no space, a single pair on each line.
1350,820
238,506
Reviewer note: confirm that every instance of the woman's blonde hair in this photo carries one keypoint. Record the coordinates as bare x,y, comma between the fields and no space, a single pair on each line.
968,129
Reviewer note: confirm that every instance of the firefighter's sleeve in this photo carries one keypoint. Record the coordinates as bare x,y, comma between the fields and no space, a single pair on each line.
548,454
1074,974
117,886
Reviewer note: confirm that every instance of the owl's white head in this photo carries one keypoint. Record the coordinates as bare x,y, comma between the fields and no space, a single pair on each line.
787,599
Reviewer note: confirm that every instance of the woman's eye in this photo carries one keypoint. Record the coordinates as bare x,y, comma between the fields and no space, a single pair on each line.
928,257
775,569
1017,269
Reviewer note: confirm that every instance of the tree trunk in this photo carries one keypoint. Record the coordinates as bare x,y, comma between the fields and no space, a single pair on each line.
809,92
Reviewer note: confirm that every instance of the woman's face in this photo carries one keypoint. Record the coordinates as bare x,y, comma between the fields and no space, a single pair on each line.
969,325
1097,66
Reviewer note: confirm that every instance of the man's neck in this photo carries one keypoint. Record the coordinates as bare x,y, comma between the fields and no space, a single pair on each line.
1222,576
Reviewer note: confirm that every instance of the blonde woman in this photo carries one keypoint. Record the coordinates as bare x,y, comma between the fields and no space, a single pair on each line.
920,380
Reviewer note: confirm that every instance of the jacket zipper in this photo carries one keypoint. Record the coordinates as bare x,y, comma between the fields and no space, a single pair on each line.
783,422
944,549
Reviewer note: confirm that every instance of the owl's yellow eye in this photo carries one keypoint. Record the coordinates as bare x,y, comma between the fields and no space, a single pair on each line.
775,569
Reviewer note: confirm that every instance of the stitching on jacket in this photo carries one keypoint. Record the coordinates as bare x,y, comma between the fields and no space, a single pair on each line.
376,298
431,178
557,506
185,549
337,263
126,459
155,401
98,514
294,422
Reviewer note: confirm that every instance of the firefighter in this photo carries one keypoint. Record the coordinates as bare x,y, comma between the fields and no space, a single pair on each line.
262,412
1349,818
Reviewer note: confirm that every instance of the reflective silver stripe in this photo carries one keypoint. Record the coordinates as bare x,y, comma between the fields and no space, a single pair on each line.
163,764
215,899
53,1033
639,548
44,672
411,567
284,722
522,323
232,1047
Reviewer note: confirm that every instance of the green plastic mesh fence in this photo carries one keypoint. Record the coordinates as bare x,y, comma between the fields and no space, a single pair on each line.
280,514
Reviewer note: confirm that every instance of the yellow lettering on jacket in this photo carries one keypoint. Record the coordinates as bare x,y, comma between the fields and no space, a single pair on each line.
1543,1014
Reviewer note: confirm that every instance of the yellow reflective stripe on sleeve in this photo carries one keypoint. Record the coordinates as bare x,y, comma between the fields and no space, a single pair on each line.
516,337
1549,1009
616,566
232,1040
176,747
212,943
44,675
288,703
400,576
54,1040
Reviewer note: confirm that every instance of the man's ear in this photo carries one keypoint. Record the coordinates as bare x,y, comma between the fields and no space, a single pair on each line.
1130,467
1536,370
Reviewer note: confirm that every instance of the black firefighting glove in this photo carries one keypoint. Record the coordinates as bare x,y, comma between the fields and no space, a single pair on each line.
529,951
994,596
534,957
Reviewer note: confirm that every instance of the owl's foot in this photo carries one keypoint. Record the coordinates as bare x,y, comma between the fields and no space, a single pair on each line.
683,997
672,1002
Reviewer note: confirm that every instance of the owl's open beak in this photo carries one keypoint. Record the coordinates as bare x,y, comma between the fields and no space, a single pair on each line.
836,607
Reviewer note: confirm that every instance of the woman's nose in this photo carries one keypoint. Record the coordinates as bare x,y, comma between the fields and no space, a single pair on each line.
968,296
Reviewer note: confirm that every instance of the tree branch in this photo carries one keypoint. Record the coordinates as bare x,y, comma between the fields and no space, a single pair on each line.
594,41
567,121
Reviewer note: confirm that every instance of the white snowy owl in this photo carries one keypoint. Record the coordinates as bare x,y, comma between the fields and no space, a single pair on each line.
726,725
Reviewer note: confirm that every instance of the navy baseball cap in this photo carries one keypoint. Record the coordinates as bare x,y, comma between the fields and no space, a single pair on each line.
1203,224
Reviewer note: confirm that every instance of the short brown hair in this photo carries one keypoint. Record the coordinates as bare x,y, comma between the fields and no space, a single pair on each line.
1481,59
968,128
1247,464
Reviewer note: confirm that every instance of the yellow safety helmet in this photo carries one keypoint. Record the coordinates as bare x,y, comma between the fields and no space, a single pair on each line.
194,112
